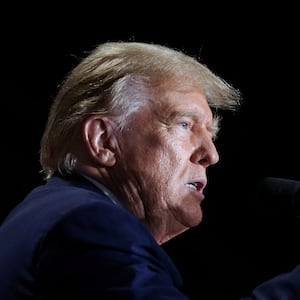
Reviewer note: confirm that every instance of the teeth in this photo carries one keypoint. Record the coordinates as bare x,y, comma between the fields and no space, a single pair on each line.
193,185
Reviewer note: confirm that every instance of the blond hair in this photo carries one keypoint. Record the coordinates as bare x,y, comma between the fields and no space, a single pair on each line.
116,79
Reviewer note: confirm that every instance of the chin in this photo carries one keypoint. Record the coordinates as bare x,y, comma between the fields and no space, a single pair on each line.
196,221
190,218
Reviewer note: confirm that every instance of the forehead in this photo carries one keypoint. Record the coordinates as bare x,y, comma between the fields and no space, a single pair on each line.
191,103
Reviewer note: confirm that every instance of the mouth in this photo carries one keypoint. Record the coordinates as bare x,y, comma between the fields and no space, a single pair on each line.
194,185
197,186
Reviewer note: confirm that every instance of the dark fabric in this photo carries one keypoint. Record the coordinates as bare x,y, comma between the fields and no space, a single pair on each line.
67,240
283,287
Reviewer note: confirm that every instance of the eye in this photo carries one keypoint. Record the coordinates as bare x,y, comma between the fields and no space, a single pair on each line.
184,125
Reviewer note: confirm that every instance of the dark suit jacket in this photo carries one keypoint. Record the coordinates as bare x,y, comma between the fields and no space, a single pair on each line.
283,287
67,240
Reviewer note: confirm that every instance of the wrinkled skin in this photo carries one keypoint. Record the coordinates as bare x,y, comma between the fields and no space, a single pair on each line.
157,164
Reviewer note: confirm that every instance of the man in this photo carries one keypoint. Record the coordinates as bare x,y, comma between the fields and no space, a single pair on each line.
125,152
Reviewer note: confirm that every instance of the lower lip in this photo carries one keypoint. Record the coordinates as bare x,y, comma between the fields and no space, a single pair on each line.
198,194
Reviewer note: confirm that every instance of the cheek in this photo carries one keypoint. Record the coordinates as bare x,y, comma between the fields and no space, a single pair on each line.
178,154
146,151
157,158
157,172
170,168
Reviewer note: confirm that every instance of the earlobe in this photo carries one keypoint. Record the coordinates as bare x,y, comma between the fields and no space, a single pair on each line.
107,157
97,132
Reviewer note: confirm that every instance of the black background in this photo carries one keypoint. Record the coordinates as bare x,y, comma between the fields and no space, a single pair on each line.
239,243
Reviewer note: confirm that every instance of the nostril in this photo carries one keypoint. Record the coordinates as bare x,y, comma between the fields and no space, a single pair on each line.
204,162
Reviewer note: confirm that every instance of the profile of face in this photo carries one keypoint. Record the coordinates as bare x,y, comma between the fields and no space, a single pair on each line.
165,151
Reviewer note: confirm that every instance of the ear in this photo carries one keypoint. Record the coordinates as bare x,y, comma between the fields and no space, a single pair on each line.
97,133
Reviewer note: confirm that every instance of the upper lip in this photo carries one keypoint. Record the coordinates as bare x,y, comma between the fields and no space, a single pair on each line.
198,183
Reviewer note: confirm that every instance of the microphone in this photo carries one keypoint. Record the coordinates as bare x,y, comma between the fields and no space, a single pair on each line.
279,196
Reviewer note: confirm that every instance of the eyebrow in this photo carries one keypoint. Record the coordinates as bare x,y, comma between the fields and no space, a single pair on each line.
215,126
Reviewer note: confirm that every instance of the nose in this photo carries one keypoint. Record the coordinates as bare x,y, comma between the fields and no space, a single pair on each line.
206,153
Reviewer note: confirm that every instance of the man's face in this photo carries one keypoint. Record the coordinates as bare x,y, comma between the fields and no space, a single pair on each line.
166,149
